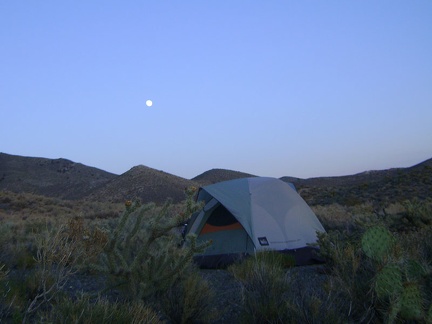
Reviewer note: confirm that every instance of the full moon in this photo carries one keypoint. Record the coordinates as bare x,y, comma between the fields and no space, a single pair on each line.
149,103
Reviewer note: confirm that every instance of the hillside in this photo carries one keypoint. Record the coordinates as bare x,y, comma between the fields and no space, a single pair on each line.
144,183
58,178
66,179
381,187
218,175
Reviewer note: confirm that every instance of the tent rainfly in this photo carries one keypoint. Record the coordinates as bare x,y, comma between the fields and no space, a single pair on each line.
243,216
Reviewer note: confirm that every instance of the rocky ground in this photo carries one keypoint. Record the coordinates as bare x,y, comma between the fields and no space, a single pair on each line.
305,281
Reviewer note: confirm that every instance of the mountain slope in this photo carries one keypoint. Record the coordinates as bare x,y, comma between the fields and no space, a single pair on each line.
218,175
144,183
59,178
381,187
66,179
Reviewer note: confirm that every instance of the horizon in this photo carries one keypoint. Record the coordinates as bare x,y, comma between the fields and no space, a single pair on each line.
274,89
216,168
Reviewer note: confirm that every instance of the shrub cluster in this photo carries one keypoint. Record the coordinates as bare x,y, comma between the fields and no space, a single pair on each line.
378,269
138,254
383,270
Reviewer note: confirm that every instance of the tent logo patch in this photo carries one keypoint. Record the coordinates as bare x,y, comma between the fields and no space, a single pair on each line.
263,240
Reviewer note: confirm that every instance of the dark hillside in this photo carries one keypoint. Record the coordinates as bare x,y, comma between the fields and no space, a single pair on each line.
144,183
218,175
65,179
381,187
58,178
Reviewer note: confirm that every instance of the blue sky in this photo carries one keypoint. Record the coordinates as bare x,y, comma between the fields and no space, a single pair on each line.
273,88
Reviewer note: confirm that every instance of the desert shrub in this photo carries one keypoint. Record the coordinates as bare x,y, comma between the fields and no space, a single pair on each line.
381,275
17,248
5,302
90,241
402,283
418,244
56,260
86,310
313,304
5,242
350,274
339,217
264,287
28,207
189,300
29,290
418,213
142,255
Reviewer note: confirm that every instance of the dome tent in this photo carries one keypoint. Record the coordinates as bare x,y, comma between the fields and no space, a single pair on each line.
246,215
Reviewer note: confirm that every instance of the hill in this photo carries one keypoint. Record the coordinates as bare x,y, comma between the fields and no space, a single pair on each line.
381,187
144,183
65,179
58,178
218,175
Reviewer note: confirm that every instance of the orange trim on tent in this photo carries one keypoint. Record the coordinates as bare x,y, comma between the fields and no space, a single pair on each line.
211,228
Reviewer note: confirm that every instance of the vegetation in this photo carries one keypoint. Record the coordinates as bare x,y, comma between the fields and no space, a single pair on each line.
85,262
382,270
138,254
264,285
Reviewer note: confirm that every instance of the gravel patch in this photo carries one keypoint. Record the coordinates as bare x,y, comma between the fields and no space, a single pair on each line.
305,281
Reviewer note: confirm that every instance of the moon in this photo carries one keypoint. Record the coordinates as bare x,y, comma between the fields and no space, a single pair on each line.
149,103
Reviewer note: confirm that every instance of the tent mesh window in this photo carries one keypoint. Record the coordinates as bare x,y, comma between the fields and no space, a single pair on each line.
220,220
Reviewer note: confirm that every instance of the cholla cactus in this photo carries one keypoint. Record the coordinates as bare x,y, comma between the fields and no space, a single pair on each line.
143,252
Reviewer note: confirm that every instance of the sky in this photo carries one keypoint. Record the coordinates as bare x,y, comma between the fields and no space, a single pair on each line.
272,88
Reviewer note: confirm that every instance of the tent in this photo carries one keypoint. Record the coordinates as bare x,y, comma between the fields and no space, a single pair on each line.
243,216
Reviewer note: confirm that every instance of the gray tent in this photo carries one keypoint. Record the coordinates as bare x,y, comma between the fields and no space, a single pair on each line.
246,215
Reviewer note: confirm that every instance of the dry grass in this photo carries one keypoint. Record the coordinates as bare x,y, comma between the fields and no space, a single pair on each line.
36,231
336,216
189,300
24,217
86,311
23,206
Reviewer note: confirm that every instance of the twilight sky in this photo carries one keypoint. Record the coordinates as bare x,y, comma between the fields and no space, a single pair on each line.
272,88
